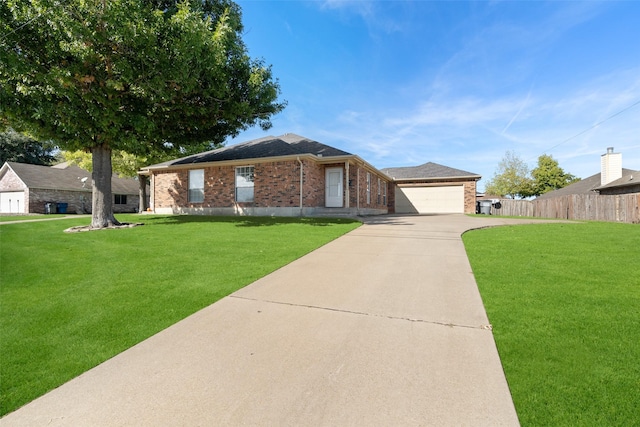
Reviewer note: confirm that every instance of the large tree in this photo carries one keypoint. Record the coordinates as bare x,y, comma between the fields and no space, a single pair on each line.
127,165
139,76
511,179
549,176
16,147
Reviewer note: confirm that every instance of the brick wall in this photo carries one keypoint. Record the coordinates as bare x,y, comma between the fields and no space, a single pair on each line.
11,182
358,189
470,188
277,184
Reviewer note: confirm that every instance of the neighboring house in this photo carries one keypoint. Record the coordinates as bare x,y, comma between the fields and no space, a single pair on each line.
433,188
289,175
26,188
628,183
612,179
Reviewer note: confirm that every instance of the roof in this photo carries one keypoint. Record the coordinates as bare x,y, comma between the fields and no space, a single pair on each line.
67,178
270,146
628,179
428,171
584,186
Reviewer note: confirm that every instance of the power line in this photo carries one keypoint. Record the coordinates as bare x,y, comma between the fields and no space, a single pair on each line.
594,126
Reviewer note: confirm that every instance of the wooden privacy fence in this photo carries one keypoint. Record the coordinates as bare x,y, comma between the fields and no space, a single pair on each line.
592,207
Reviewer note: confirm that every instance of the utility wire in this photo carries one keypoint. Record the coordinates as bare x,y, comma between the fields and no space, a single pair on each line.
594,126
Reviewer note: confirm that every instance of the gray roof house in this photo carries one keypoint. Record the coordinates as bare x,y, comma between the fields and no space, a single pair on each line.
26,188
287,175
612,179
291,175
433,188
628,183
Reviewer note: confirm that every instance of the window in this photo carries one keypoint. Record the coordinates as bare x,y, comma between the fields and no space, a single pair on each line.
384,194
379,190
120,199
244,184
196,186
368,188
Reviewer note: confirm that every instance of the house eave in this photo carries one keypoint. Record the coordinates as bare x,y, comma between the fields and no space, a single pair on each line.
438,178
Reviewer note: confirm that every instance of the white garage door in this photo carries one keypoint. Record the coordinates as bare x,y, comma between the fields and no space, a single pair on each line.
12,202
425,200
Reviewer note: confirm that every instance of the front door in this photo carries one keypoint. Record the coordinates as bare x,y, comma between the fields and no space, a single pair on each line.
333,188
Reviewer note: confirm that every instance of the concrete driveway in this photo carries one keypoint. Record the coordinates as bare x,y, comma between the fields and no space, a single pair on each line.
383,326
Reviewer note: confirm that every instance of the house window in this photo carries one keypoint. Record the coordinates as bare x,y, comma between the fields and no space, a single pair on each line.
196,186
368,188
120,199
379,190
384,195
244,184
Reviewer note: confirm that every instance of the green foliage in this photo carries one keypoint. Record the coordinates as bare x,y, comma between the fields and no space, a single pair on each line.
511,178
563,301
549,176
16,147
137,76
71,301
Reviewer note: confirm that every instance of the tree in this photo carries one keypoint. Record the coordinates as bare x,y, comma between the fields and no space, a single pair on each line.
16,147
127,165
511,178
141,76
549,176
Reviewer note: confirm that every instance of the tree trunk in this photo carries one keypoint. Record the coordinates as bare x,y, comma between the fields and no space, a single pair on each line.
102,200
142,192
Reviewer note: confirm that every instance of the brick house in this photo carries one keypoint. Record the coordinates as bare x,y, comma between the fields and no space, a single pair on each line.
289,175
26,188
432,188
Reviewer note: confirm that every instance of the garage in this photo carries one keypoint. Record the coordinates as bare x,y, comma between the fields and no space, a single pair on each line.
430,199
12,202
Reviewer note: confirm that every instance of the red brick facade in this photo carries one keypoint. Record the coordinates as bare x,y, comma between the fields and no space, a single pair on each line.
276,185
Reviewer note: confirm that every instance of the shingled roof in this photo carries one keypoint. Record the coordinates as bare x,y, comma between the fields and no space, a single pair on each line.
584,186
67,178
270,146
629,178
428,171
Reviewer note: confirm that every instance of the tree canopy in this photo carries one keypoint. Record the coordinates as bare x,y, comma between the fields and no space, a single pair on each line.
141,76
549,176
513,178
16,147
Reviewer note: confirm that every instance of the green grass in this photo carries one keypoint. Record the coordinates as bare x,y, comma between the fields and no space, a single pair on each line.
564,301
70,301
8,218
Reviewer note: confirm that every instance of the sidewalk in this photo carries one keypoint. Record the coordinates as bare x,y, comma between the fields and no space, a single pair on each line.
381,327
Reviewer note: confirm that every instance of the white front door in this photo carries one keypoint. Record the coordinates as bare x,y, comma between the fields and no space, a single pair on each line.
333,188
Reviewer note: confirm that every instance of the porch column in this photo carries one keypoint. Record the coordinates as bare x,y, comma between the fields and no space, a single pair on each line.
346,192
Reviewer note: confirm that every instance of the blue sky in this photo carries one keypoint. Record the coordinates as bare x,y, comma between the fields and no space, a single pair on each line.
459,83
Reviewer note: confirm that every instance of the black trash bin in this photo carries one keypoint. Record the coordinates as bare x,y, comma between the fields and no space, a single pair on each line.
62,208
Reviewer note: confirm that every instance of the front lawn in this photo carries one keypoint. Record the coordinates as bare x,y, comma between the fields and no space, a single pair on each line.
70,301
564,302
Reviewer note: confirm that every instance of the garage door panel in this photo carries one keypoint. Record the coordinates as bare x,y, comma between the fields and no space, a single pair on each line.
424,200
12,202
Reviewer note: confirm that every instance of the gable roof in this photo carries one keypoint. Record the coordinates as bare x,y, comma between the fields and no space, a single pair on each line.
270,146
428,171
67,178
628,179
584,186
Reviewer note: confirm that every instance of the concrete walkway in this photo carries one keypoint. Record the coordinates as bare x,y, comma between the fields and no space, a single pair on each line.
381,327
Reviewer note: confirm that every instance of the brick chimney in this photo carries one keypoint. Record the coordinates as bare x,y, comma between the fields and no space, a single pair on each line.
610,166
